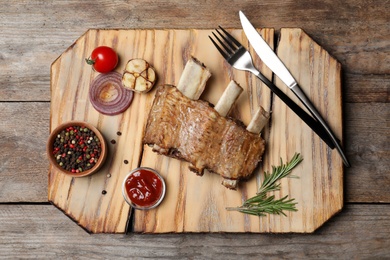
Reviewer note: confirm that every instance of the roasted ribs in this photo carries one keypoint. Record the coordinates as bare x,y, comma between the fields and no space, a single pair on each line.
193,131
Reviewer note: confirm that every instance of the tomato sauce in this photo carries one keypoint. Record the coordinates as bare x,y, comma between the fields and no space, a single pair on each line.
144,188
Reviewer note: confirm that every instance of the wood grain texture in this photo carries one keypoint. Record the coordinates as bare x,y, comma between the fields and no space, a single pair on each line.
366,133
23,162
319,190
167,51
41,231
83,198
181,211
370,153
355,32
321,175
366,88
34,33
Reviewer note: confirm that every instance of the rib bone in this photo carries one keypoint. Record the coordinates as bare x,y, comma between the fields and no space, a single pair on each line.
259,120
228,98
193,79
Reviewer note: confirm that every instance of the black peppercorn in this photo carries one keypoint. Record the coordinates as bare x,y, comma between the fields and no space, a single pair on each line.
77,149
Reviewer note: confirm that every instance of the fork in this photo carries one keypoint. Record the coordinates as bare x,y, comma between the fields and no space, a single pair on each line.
238,57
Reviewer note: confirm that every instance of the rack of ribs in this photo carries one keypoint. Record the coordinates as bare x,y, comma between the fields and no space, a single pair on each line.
194,131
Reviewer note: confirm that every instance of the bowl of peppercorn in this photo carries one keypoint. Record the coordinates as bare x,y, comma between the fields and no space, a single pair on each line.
76,149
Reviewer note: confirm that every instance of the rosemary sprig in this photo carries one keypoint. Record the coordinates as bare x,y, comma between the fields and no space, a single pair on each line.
260,204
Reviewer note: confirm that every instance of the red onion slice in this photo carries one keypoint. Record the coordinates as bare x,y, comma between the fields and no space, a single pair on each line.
108,96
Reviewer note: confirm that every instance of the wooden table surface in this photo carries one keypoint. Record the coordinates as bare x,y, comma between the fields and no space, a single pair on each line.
34,33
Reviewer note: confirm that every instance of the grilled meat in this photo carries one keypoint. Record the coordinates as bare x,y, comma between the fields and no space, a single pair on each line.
193,131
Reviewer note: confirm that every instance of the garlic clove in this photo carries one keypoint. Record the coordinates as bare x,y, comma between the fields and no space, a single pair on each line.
139,76
128,80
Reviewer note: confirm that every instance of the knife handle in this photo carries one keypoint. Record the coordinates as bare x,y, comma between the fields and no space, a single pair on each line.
302,97
310,121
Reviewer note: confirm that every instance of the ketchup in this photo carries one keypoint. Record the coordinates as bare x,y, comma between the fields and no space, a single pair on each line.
144,187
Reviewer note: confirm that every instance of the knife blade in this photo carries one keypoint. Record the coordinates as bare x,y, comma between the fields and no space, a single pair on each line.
268,56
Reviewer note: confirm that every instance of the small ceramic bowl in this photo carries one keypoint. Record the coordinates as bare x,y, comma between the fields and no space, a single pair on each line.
50,149
143,188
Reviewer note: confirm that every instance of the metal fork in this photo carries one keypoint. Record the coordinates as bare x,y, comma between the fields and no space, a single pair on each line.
237,56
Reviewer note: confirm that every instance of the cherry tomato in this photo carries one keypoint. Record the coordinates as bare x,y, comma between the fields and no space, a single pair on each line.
103,59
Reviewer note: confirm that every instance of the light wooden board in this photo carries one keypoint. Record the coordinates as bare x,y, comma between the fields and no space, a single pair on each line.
193,203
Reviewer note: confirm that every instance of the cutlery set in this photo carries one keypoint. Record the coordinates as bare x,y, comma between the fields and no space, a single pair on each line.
238,57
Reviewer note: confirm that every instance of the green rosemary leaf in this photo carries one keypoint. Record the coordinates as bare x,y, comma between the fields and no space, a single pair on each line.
252,212
260,204
255,199
278,173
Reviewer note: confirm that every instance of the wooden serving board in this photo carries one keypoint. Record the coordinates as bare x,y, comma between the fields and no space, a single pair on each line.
193,203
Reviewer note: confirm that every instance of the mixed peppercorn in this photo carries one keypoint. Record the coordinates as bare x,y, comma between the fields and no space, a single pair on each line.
77,149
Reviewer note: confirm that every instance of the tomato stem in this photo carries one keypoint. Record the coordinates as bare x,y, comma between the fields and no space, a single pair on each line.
90,61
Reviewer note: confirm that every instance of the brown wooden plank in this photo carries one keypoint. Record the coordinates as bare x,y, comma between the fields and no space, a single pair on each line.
24,128
355,32
321,173
167,50
42,231
83,198
366,147
358,88
319,189
36,32
181,210
369,152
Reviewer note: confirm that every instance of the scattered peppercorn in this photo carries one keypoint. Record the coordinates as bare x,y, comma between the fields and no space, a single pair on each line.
126,161
118,133
77,149
104,192
113,141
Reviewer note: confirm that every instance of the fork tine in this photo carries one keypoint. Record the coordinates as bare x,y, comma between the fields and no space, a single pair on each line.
232,47
223,53
238,44
230,50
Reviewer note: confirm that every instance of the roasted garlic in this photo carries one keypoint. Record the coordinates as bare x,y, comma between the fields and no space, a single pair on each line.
139,76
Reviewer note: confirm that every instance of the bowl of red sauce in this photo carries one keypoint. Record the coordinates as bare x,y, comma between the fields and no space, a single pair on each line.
143,188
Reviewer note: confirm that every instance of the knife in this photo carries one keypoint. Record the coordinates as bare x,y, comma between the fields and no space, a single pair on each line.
268,56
